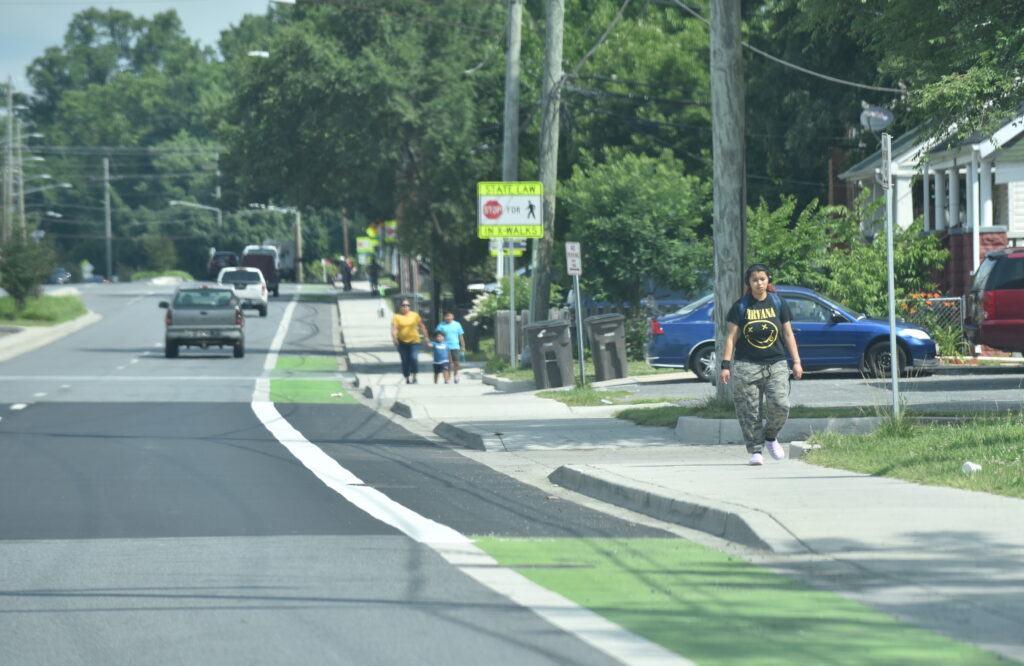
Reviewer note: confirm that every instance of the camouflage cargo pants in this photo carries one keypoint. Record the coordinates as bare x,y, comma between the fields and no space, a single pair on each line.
749,382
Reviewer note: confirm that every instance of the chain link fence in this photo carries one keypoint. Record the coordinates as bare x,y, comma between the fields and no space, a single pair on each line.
943,317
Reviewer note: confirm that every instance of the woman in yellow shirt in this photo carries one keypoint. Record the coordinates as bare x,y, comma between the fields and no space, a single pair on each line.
406,327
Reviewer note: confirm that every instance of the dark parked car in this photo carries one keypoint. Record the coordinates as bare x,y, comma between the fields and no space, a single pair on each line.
995,306
218,261
58,276
829,336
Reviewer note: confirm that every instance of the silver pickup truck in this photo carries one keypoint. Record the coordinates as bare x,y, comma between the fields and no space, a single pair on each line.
203,316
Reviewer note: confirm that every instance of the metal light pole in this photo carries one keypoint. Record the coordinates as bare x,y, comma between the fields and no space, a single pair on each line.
189,204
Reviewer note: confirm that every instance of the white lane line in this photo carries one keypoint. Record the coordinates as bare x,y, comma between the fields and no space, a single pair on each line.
134,361
40,394
18,406
450,544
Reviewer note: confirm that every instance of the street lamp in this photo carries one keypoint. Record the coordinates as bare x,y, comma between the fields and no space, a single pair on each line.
258,54
58,186
189,204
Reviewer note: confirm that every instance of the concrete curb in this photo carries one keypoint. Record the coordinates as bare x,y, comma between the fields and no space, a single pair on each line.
33,337
695,430
508,385
738,524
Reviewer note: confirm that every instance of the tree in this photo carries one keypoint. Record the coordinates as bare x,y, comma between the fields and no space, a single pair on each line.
638,220
24,263
824,250
961,61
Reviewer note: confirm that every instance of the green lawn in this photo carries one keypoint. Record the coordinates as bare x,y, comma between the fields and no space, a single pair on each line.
717,609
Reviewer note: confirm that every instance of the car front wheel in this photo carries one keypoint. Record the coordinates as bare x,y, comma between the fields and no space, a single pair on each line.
878,360
703,362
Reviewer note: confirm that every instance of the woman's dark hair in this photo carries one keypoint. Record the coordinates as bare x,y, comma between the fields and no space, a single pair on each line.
757,268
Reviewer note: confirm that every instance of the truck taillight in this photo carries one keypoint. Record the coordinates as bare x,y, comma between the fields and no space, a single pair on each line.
988,305
656,328
239,319
168,318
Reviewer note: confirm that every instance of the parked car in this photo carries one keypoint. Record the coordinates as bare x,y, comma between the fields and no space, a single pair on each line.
248,286
203,316
219,260
829,335
58,276
995,306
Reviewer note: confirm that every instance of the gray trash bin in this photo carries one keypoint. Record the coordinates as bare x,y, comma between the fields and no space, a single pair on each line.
607,337
550,352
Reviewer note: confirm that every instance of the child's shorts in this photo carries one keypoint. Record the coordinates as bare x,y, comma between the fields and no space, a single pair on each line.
440,367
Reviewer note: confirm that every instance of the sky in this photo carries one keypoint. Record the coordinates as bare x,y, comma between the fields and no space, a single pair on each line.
27,27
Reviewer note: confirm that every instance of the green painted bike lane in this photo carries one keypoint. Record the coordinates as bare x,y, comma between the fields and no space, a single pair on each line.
316,383
718,609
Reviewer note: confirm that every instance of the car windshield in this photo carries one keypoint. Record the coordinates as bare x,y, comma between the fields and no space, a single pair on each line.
690,307
203,298
240,276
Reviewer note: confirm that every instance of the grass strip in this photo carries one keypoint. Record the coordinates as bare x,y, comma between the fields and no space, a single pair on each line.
310,391
41,311
715,608
935,454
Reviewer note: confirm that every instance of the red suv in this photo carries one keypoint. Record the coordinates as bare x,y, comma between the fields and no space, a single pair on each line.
995,309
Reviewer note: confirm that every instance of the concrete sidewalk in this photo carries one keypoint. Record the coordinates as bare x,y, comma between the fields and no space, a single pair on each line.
947,560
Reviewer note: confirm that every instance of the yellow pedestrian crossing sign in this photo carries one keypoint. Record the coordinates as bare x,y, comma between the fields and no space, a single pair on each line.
510,209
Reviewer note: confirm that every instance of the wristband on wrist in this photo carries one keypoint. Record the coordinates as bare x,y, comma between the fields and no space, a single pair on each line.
796,361
726,364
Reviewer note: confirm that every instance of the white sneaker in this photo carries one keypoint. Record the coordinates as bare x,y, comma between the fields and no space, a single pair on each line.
757,459
775,449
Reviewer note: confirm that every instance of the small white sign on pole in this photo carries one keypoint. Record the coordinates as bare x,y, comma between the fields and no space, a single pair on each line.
573,258
886,161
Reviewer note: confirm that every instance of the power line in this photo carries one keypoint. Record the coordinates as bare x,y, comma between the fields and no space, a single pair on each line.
786,63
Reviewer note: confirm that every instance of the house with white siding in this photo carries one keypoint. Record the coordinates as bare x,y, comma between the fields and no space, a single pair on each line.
970,192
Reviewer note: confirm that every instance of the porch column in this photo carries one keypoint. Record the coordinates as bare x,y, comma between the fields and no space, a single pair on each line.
986,193
954,196
926,198
940,199
973,206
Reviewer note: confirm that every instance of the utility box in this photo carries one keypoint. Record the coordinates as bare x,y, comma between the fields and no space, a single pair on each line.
607,337
550,353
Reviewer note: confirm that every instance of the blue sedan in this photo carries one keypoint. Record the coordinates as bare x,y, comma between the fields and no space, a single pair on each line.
828,334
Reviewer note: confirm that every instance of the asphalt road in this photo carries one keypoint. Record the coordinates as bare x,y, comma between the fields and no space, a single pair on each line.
147,515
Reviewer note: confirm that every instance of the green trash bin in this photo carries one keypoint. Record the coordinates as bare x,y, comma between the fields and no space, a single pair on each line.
607,337
550,353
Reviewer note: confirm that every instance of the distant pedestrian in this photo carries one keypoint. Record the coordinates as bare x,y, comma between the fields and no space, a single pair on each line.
454,335
758,336
406,329
346,274
440,357
373,272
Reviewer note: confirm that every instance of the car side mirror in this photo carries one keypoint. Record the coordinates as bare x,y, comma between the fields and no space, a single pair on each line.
838,317
165,304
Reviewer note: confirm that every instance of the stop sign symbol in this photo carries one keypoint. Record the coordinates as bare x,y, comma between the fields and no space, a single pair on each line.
492,210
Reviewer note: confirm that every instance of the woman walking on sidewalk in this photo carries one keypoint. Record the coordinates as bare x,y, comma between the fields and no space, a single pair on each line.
758,336
406,328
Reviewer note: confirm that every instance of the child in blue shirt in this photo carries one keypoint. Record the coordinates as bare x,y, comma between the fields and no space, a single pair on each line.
440,357
454,337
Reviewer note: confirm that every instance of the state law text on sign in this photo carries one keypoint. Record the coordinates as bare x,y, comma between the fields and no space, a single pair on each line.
510,210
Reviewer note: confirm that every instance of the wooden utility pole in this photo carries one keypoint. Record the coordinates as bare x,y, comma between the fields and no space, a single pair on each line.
730,167
106,217
540,295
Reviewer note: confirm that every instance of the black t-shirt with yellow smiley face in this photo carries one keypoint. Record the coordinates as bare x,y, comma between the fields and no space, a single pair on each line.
760,334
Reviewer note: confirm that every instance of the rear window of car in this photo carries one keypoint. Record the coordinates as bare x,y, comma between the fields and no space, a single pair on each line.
1001,273
240,276
203,298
